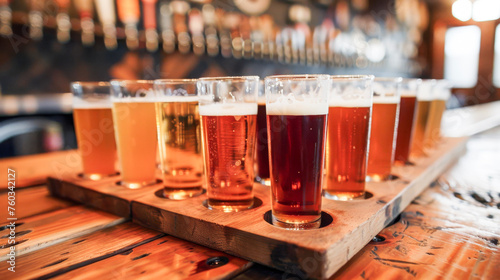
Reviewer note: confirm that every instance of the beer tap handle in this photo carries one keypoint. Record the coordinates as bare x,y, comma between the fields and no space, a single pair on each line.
106,12
129,14
85,8
245,33
149,16
180,9
224,34
63,21
167,31
5,18
212,41
35,19
196,28
256,36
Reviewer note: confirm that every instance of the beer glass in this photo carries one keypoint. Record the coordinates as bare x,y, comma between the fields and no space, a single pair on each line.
135,129
228,110
349,115
386,98
424,98
179,137
94,128
262,156
297,111
441,93
409,88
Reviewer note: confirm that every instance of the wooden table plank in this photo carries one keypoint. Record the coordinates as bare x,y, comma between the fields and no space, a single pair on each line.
32,201
34,169
81,251
165,258
45,230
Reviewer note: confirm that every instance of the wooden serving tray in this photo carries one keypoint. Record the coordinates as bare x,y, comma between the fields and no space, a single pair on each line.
346,226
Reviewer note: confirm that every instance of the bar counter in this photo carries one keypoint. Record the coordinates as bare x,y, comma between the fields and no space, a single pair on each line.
451,230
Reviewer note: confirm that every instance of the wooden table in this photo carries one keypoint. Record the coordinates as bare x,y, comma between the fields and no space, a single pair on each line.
452,230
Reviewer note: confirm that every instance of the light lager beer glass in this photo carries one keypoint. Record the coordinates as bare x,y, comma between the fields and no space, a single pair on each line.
135,128
179,137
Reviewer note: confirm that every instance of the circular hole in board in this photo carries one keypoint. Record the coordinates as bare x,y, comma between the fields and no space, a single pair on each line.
257,202
326,219
161,194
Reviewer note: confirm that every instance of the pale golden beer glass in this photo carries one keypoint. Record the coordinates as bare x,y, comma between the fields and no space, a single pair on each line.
349,117
94,128
424,99
441,94
228,109
385,113
179,137
135,128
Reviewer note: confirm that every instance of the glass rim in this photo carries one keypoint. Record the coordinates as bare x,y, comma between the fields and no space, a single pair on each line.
298,77
389,79
90,83
352,77
174,81
130,82
412,80
229,78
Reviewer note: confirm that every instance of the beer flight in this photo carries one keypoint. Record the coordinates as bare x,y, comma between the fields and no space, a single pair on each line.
303,135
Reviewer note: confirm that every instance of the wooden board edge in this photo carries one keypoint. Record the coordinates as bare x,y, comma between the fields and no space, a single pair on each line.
89,197
396,206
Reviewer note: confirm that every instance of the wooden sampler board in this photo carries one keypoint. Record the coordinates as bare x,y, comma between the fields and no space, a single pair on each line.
347,226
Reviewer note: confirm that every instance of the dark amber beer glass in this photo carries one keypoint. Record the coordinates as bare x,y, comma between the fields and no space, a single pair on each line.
409,88
297,111
135,128
386,98
179,137
441,93
262,152
228,110
94,128
424,99
350,103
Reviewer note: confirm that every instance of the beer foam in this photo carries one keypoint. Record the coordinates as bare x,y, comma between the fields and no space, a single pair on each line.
339,101
192,98
91,103
297,108
228,109
408,93
135,100
391,99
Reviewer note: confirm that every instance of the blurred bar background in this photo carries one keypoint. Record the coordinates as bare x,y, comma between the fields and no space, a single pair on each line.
46,44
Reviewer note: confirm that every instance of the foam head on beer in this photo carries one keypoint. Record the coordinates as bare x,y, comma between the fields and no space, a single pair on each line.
386,90
228,96
299,95
91,95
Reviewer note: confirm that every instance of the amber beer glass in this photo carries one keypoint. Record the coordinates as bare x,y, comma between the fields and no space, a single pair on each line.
424,99
135,129
262,152
349,115
386,98
179,137
297,111
94,128
441,93
409,89
228,110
